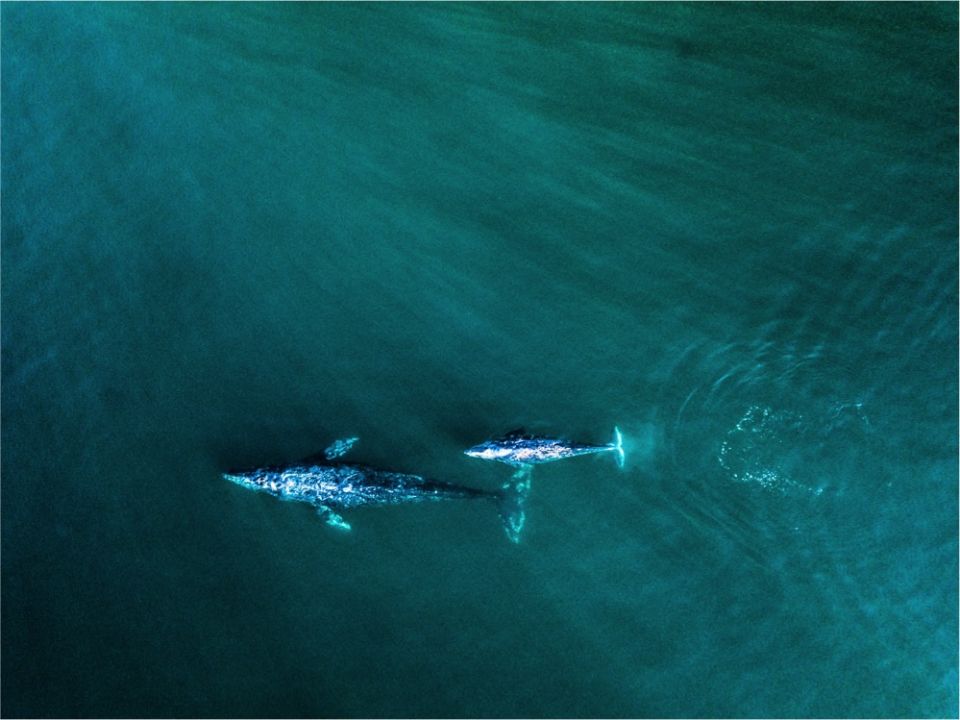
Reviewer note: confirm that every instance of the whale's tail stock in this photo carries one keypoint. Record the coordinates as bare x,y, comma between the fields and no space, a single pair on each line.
511,501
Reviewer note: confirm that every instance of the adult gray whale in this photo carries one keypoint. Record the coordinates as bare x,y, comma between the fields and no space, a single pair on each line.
522,450
334,486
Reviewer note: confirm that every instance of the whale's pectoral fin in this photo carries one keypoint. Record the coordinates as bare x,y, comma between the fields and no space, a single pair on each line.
332,519
511,501
522,475
340,448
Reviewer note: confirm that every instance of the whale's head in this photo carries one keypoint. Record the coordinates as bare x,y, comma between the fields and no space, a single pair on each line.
251,480
488,451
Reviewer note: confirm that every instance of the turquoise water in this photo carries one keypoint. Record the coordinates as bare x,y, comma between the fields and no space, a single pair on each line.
234,233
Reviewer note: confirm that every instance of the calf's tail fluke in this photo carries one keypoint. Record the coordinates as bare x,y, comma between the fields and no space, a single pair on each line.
511,502
617,446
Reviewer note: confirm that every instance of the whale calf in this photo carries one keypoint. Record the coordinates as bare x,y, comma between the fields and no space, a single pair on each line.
519,449
330,487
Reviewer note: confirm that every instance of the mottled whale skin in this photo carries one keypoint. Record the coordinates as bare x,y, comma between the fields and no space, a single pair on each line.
336,486
520,450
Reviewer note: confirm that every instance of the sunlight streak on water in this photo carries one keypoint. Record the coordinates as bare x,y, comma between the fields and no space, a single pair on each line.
235,232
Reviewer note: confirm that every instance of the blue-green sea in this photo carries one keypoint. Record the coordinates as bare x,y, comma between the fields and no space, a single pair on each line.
233,233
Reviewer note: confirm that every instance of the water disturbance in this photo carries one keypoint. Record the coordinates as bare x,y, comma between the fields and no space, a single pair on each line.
233,234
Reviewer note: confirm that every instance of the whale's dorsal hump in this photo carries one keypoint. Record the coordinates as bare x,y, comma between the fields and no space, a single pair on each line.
340,448
516,433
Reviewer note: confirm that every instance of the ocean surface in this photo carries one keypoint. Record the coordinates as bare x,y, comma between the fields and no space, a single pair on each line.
233,233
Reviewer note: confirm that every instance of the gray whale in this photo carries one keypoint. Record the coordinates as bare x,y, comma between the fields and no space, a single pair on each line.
333,486
521,450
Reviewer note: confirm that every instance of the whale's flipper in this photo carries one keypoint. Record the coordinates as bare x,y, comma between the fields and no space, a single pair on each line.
522,475
340,448
331,518
511,503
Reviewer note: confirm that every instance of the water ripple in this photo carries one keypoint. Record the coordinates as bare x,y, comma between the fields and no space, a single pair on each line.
758,434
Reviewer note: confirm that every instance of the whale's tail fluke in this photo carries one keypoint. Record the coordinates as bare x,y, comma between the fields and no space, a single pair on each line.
511,502
618,447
